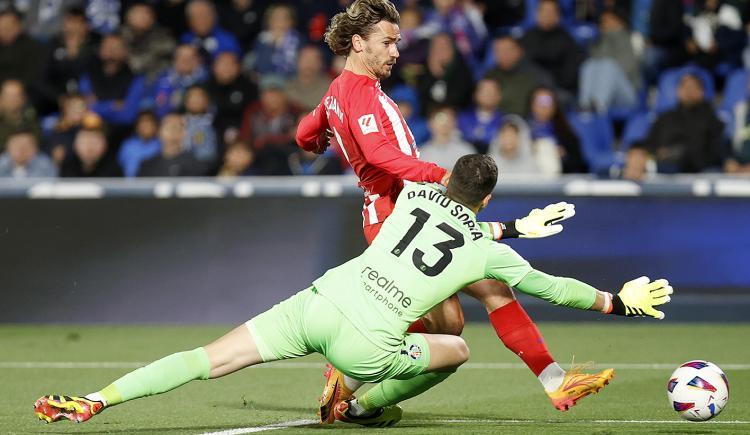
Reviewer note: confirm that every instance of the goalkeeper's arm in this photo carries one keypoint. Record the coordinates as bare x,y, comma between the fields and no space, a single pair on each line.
636,299
539,223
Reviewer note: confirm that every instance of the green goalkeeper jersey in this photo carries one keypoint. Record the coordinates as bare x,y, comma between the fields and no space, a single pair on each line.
428,248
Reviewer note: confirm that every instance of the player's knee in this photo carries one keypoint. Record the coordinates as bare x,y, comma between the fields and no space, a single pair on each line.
461,350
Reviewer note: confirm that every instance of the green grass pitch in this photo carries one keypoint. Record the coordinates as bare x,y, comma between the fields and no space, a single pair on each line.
501,397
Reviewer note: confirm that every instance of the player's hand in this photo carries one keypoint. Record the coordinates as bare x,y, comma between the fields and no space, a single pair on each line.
641,295
324,140
544,222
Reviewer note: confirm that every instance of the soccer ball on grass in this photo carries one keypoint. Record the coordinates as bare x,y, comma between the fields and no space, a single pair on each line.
698,390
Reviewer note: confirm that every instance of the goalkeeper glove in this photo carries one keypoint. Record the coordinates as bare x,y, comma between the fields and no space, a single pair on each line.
540,222
639,297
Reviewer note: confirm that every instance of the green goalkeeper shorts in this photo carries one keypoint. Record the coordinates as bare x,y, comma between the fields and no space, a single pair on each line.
307,322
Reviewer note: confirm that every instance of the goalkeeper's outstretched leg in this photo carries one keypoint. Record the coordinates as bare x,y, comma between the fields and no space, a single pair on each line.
303,324
233,351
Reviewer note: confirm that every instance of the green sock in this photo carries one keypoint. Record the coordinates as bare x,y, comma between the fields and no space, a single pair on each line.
393,391
158,377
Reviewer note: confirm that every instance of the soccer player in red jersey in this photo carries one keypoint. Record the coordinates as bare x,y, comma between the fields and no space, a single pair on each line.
357,116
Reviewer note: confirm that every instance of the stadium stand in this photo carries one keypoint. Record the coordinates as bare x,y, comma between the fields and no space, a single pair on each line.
120,60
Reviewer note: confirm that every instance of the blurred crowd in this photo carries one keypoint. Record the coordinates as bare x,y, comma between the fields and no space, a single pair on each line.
617,88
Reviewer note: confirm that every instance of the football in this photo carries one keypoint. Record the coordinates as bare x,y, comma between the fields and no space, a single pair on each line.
698,390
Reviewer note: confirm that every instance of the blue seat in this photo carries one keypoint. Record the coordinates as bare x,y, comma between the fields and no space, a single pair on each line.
597,136
670,79
735,90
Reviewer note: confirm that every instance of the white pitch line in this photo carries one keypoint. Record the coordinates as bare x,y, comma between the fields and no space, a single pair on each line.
512,421
296,423
317,365
275,426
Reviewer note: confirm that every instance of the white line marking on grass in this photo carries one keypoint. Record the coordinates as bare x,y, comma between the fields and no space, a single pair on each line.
296,423
275,426
319,365
512,421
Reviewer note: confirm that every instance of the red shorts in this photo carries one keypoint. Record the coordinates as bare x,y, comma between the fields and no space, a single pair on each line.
371,231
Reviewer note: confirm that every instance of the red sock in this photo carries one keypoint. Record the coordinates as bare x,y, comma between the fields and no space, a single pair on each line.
519,333
418,327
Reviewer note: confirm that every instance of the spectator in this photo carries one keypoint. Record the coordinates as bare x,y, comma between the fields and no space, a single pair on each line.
243,19
187,70
738,160
111,88
717,34
143,145
303,162
69,55
275,50
231,92
22,158
551,47
44,19
611,76
687,138
666,32
412,48
65,125
311,83
15,112
103,15
479,123
516,75
204,31
200,137
238,160
151,46
269,125
515,152
447,79
90,157
462,20
548,122
445,146
173,161
19,57
408,104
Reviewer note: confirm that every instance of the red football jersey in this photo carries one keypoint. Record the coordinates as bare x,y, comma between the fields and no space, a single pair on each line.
373,137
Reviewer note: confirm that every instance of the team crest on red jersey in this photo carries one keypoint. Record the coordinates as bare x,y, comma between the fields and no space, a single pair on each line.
367,124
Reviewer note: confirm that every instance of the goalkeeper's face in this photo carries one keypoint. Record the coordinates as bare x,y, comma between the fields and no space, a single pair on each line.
380,51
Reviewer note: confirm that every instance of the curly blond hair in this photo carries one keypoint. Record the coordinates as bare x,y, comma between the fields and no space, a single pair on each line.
360,19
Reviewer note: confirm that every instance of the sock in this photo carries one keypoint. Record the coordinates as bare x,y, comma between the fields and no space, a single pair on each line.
417,327
357,410
96,397
158,377
393,391
519,334
352,384
552,377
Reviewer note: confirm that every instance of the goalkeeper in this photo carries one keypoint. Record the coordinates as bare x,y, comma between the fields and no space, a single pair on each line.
357,314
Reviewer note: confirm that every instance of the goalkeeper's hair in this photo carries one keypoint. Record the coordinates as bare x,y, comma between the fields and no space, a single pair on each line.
474,177
360,18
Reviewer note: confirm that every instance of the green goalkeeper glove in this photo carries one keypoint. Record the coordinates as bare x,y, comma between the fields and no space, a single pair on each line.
540,222
639,297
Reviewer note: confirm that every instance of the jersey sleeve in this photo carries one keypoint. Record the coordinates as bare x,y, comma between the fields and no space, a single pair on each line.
563,291
366,122
504,264
311,127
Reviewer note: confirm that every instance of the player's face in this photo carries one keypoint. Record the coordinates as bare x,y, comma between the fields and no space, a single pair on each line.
380,49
